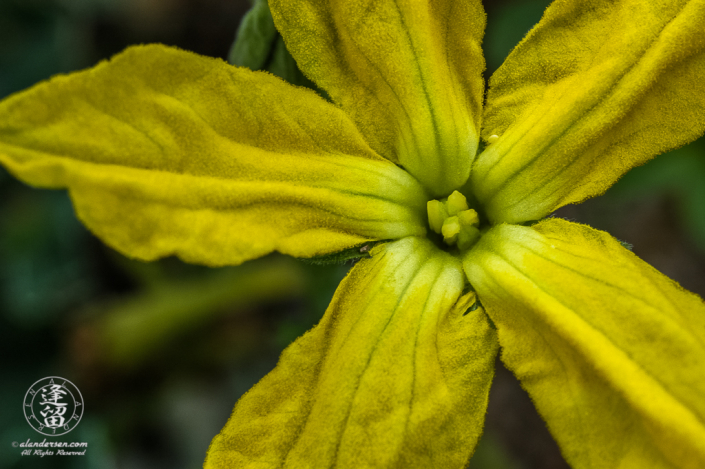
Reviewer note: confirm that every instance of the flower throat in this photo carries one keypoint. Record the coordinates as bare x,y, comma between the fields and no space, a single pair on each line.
453,219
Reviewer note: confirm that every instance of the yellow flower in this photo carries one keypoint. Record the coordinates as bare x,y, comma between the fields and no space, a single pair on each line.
165,152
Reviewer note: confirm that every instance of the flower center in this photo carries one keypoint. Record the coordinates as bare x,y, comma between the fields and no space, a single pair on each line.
454,220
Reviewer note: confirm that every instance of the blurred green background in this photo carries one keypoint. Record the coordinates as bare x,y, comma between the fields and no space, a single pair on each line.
162,351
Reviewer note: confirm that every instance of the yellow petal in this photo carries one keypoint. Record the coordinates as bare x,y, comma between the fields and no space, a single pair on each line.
407,72
393,376
611,351
166,152
597,88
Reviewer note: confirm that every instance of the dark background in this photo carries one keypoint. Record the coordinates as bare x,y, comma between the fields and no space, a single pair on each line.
162,351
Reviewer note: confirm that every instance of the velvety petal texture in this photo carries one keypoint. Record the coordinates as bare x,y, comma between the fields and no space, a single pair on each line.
409,73
167,152
611,351
598,87
393,376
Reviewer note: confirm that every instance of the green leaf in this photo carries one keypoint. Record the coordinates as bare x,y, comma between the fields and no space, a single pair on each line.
256,38
259,46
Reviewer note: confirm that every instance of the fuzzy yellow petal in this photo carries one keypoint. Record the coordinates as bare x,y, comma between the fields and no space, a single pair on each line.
167,152
611,351
598,87
394,376
409,73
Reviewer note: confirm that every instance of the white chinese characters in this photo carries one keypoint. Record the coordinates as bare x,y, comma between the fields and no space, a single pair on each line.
53,406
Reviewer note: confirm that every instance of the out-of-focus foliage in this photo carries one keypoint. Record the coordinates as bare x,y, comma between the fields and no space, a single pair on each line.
42,37
680,175
137,330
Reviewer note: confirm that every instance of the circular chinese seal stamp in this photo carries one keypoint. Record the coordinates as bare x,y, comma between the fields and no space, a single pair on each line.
53,406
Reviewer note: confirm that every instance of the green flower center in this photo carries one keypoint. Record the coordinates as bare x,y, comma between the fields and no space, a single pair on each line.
453,219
